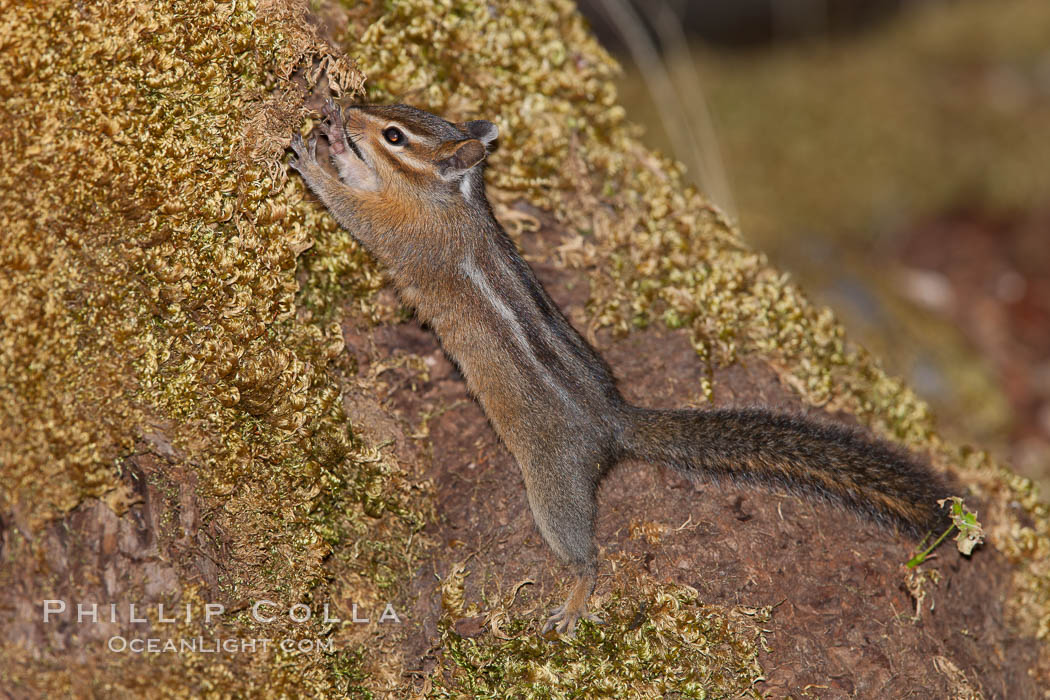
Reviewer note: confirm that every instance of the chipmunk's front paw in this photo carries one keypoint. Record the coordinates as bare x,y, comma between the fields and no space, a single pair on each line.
305,158
332,128
331,112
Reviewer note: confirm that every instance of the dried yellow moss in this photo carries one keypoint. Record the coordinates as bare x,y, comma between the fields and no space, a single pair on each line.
150,305
657,641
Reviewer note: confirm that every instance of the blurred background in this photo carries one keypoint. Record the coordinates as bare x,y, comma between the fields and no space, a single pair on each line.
894,156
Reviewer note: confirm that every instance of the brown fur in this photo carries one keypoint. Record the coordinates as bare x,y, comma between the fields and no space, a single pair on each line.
419,206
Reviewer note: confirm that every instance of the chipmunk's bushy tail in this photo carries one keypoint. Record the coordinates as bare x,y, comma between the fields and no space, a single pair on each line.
869,477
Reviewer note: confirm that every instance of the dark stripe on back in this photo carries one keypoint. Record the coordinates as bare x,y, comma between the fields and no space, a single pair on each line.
573,361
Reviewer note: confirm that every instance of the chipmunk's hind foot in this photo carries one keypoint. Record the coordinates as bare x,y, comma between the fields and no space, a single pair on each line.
564,618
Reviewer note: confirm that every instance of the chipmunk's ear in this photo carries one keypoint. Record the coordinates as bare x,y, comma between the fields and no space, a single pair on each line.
468,153
482,130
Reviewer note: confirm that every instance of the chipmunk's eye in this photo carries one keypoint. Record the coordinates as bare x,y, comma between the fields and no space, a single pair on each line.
393,135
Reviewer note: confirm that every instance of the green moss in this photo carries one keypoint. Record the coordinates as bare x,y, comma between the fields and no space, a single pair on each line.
654,642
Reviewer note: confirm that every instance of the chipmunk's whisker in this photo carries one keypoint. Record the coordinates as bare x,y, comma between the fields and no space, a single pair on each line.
352,143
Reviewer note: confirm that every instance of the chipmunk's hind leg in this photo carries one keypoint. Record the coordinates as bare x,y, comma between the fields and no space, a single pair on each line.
564,510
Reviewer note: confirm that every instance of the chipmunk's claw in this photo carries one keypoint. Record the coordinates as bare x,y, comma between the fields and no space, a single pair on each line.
297,143
297,147
330,111
304,149
305,152
565,616
564,623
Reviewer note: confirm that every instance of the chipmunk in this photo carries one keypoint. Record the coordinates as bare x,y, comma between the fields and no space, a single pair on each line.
410,188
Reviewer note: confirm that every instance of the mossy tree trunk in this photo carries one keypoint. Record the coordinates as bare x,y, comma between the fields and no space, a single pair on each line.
209,399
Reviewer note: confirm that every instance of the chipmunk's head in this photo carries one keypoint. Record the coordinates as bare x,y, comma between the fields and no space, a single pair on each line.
406,148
